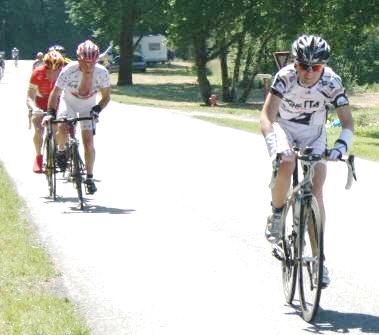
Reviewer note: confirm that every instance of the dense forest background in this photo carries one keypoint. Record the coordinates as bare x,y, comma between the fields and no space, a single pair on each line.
242,34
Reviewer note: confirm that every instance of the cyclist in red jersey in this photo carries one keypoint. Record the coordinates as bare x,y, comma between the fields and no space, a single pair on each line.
41,84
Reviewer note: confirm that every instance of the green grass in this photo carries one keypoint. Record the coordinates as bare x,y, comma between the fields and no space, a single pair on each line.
366,133
27,305
237,124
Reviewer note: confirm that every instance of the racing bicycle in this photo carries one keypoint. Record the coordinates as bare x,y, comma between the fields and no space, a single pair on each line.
49,164
301,246
75,164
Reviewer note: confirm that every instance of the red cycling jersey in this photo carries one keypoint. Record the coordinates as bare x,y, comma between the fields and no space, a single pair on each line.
42,85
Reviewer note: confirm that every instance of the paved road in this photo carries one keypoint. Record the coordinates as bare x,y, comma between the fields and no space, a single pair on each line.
173,242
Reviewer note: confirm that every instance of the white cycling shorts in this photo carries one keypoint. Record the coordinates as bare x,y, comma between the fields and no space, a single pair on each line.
66,111
289,134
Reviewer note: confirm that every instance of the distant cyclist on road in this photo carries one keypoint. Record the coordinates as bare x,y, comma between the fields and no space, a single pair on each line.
41,84
39,60
2,65
77,86
15,55
295,113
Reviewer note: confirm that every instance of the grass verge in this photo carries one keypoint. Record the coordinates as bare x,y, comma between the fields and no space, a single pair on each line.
174,87
28,305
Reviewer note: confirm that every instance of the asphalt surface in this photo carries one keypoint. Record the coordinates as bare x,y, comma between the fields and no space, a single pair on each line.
173,241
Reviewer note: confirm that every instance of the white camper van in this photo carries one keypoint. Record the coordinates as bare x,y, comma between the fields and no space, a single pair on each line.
153,48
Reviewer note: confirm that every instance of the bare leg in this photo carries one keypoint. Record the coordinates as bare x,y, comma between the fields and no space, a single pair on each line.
319,177
38,133
283,182
89,150
61,136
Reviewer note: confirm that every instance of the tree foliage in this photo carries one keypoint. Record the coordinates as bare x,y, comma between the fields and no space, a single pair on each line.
120,21
34,25
243,34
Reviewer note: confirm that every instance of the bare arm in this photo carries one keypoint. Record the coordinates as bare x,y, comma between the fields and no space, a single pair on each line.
268,116
343,143
346,118
53,98
105,97
31,97
269,113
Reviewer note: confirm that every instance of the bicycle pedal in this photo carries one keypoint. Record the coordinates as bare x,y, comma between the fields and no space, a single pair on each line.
277,252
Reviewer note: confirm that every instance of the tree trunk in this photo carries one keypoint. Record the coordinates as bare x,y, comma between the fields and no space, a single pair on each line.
226,96
200,46
125,76
247,69
237,67
250,75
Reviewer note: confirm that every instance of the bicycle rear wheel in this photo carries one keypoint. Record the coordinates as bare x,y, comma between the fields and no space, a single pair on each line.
50,169
76,173
289,263
311,247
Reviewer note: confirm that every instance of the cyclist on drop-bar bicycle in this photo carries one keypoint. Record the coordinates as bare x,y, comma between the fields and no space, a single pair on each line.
77,86
15,55
295,112
41,84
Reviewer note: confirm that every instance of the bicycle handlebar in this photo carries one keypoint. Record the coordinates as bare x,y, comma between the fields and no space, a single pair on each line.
307,156
71,122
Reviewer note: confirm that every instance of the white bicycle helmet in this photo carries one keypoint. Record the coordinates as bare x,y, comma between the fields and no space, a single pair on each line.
310,49
88,52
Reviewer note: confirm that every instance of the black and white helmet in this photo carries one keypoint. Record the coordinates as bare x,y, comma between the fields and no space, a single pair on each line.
310,49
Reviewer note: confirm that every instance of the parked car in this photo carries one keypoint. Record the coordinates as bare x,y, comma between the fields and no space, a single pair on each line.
138,64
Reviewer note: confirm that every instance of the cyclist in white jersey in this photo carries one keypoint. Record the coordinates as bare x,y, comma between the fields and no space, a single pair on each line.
77,86
295,112
15,55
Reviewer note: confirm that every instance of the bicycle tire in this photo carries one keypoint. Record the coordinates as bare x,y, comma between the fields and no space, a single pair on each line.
76,173
290,252
311,259
50,168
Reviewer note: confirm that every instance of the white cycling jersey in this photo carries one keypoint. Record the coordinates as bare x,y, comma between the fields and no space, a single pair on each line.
69,81
307,105
15,53
71,103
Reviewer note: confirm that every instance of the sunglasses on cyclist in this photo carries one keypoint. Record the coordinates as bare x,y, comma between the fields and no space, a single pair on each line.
308,67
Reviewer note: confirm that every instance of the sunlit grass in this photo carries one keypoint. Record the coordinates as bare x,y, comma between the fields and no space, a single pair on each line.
175,87
27,306
237,124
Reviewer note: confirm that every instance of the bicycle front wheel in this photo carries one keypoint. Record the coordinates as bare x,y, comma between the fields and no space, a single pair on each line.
50,170
76,173
311,247
289,263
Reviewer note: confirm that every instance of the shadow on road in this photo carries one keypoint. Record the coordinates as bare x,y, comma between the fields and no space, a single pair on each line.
339,322
88,208
327,320
104,209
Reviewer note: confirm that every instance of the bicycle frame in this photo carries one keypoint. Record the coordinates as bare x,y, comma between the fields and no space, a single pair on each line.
50,168
305,229
77,167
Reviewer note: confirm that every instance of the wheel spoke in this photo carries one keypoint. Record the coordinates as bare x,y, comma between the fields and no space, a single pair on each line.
311,250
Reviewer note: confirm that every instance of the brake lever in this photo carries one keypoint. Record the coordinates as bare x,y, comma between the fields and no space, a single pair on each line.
351,171
351,163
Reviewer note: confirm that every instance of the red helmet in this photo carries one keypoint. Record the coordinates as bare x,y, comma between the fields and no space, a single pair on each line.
88,52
